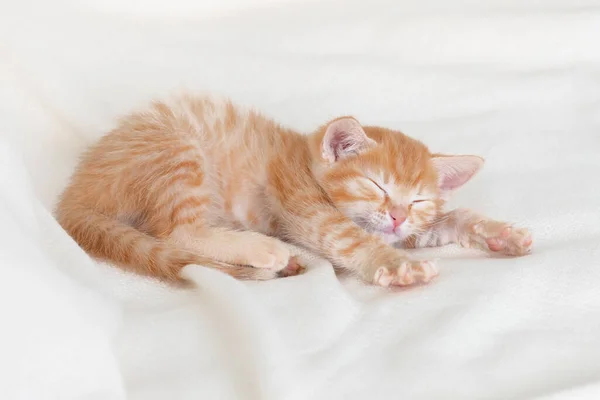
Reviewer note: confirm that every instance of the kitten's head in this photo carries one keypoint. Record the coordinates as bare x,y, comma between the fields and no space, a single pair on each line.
387,182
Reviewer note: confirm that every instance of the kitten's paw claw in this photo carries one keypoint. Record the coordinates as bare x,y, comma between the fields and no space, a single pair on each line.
408,273
292,269
518,242
503,238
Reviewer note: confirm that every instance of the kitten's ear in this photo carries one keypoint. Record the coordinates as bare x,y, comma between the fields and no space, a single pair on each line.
455,171
344,137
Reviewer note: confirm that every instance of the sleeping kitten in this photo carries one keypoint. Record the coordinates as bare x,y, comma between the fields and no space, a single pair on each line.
199,181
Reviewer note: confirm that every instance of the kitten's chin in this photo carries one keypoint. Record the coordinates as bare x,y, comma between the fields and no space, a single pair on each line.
390,238
393,237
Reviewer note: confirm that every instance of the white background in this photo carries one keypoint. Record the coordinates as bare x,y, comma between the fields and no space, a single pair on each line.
517,82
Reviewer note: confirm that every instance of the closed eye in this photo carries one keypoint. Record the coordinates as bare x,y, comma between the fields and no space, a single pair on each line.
376,184
419,200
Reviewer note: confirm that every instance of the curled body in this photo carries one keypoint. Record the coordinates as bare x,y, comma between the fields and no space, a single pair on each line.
198,180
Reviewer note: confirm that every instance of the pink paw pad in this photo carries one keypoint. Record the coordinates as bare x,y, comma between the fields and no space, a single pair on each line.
507,239
292,269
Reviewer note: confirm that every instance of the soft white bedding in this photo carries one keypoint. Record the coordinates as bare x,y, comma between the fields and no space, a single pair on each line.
517,82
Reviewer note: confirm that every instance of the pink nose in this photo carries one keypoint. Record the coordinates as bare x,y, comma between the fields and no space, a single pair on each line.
398,221
398,216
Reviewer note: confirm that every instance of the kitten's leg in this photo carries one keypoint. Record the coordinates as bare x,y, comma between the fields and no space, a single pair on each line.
324,230
243,272
259,256
251,255
470,229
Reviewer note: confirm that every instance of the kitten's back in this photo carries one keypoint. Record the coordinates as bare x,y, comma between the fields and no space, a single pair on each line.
133,187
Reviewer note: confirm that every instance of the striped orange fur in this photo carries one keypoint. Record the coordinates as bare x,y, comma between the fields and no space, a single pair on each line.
193,180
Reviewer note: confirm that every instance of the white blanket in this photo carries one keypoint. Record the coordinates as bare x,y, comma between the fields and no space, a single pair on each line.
517,82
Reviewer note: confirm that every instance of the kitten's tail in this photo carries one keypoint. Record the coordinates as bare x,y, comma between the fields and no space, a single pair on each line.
111,240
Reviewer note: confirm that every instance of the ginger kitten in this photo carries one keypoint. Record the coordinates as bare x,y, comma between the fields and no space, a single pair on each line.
199,181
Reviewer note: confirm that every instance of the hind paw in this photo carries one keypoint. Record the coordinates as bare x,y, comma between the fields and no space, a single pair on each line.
293,268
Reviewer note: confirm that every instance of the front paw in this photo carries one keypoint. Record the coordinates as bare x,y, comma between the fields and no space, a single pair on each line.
407,273
503,238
